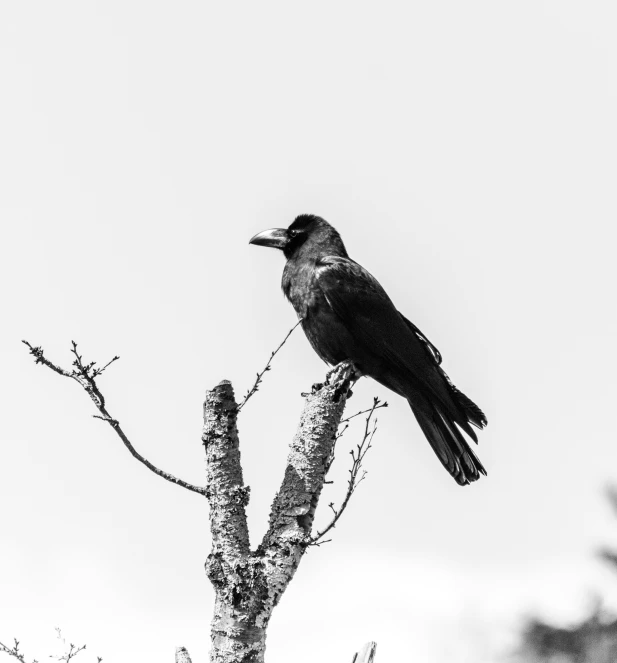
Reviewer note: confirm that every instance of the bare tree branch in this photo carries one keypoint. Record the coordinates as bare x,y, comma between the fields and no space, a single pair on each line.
343,430
357,414
355,479
70,650
85,375
249,584
255,386
225,490
238,626
14,651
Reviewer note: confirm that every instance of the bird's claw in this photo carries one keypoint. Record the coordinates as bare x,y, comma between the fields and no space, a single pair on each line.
316,387
347,373
347,367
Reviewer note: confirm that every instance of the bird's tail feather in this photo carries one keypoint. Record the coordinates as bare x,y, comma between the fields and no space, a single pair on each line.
448,443
473,414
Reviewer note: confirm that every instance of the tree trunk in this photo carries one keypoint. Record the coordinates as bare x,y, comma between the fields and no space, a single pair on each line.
249,584
235,636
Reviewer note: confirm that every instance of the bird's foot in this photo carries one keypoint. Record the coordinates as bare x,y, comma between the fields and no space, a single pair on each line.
345,368
346,374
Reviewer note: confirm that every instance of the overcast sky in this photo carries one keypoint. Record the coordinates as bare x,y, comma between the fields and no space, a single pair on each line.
467,153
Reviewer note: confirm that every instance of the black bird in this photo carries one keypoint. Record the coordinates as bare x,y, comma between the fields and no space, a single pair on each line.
347,315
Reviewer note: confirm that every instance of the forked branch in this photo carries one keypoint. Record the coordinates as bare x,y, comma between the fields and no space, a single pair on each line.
249,584
85,375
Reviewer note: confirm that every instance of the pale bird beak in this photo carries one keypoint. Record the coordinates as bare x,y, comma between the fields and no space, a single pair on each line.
277,238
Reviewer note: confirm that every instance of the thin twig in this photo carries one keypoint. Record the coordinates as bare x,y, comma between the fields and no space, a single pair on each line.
357,414
111,361
14,651
71,651
259,378
343,430
355,479
85,374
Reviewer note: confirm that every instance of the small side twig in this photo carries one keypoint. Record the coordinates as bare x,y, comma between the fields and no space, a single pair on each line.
356,474
85,375
14,651
345,426
357,414
260,376
70,650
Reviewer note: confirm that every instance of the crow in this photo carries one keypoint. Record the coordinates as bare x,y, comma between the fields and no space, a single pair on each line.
347,316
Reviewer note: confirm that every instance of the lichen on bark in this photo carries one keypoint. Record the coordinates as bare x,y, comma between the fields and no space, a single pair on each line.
249,584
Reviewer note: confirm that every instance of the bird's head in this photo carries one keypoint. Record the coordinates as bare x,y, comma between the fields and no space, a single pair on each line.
308,233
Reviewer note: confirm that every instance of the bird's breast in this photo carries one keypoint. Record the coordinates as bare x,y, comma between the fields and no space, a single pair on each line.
321,325
300,287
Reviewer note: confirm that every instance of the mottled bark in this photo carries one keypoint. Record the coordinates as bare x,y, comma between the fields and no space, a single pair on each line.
182,656
249,584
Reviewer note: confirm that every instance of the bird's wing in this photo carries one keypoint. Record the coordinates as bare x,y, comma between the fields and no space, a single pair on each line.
403,359
368,313
434,351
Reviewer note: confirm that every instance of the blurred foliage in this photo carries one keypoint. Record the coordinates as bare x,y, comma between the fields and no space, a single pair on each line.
592,640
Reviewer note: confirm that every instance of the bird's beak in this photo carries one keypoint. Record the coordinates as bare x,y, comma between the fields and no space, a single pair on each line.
277,238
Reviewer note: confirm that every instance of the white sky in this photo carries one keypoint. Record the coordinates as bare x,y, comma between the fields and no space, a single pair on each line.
467,152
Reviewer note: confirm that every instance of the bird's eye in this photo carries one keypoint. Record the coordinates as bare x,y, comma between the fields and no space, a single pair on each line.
293,233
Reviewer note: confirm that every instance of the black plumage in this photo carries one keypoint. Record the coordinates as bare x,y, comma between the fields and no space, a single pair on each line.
347,315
